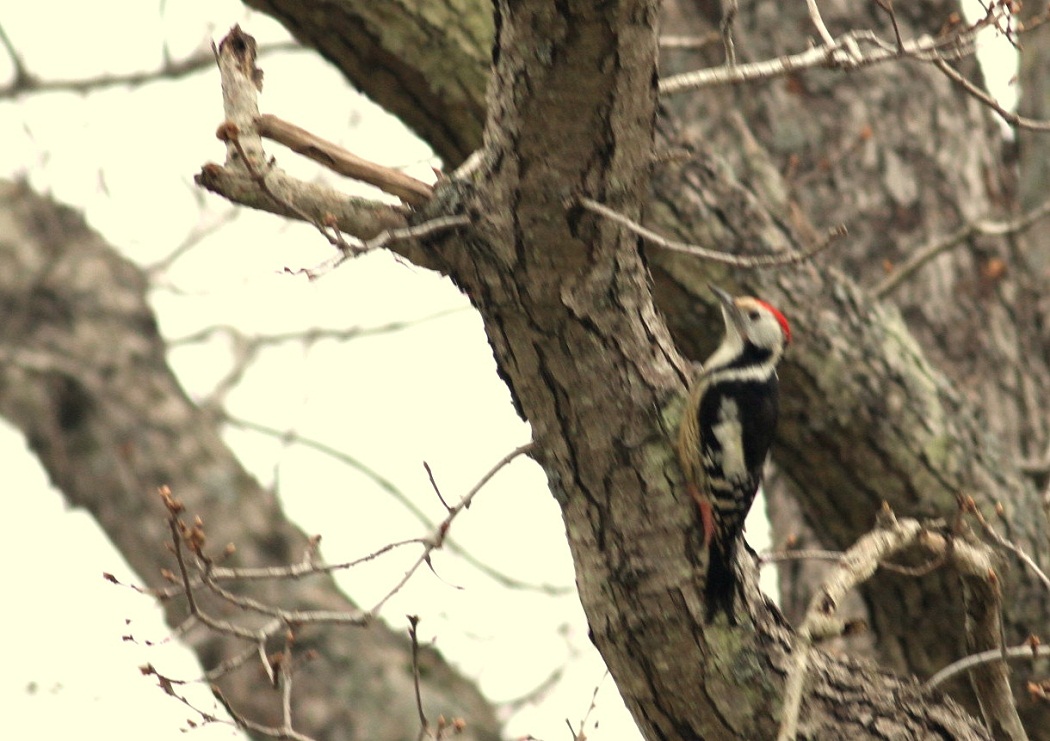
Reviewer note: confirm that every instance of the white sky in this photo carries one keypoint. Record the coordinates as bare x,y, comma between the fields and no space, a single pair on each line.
127,158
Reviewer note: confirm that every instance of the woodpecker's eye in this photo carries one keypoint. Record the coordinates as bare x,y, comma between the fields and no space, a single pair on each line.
753,315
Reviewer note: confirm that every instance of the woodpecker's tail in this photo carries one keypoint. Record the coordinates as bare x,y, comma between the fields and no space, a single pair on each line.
720,591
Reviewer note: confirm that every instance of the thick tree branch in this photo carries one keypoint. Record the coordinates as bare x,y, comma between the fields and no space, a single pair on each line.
295,199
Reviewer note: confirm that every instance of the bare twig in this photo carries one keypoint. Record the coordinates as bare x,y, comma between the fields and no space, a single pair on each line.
818,23
424,725
427,228
238,660
247,724
349,251
435,487
26,83
887,5
290,436
803,554
286,684
1002,542
729,10
581,734
438,538
309,336
246,348
923,255
1014,119
860,48
743,261
192,538
286,616
769,557
1024,651
535,694
21,77
844,52
193,239
306,567
168,685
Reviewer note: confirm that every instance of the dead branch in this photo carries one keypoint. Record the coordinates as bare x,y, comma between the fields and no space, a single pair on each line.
983,623
729,11
249,178
689,42
821,622
818,23
1008,545
975,564
336,158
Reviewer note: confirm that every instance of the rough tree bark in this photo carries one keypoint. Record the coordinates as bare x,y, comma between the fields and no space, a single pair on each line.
904,158
84,376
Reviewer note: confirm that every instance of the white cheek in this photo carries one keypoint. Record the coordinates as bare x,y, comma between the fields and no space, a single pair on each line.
776,333
764,335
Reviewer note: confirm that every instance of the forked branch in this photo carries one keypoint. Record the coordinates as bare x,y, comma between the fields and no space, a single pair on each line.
974,564
250,178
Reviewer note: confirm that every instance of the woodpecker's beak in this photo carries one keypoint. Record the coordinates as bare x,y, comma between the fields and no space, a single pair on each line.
729,310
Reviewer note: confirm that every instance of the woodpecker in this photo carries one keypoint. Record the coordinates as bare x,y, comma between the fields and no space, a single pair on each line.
726,430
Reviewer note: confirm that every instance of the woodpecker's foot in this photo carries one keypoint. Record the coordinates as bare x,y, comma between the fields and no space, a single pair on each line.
707,518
